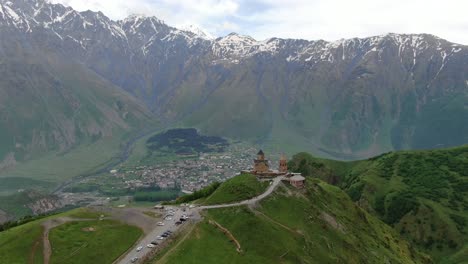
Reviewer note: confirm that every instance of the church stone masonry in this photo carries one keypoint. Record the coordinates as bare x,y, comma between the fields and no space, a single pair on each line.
262,167
262,170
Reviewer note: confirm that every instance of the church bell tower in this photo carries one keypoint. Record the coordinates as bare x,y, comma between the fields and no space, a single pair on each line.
283,164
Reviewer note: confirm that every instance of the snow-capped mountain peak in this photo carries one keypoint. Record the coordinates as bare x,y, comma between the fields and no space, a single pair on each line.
142,34
198,31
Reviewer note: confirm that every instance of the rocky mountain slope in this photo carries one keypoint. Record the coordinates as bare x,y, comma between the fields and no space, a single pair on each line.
346,99
48,100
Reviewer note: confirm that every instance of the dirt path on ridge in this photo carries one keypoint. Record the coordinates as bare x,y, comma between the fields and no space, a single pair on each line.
32,254
50,224
130,216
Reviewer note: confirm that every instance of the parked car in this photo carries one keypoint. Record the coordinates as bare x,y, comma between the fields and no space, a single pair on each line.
160,238
139,248
134,259
160,224
150,246
178,222
154,243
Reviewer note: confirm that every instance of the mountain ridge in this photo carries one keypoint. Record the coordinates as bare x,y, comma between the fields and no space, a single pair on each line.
349,98
58,13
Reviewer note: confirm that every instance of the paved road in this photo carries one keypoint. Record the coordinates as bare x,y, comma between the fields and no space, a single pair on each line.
270,189
151,236
170,225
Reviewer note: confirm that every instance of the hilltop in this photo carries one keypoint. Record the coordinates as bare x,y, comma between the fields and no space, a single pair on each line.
422,194
318,224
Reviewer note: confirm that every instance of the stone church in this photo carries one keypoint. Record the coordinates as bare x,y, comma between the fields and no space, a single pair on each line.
262,167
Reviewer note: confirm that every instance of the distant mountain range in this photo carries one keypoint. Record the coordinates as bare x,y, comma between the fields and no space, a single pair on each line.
346,99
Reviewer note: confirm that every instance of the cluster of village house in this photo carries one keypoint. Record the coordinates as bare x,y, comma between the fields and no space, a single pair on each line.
194,174
188,174
262,170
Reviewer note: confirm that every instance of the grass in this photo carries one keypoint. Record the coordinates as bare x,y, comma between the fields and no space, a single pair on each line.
15,204
221,250
91,241
200,195
289,227
13,184
422,194
109,240
84,213
239,188
17,245
57,168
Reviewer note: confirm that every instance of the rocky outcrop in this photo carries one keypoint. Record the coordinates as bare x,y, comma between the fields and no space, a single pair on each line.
45,205
3,217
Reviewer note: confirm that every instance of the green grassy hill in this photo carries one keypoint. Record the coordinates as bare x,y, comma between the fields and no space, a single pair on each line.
318,224
422,194
73,242
22,244
239,188
76,242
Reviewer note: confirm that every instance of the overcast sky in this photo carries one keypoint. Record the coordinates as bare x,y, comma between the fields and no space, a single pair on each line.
307,19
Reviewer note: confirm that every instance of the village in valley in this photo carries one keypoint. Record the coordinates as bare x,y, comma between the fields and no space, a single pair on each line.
185,174
194,174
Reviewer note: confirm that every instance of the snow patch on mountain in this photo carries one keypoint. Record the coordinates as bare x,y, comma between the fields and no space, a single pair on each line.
198,31
240,46
143,34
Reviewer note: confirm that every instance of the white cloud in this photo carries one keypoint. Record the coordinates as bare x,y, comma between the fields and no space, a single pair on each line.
309,19
335,19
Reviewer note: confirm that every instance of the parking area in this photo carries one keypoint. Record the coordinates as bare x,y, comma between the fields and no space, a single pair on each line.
173,218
